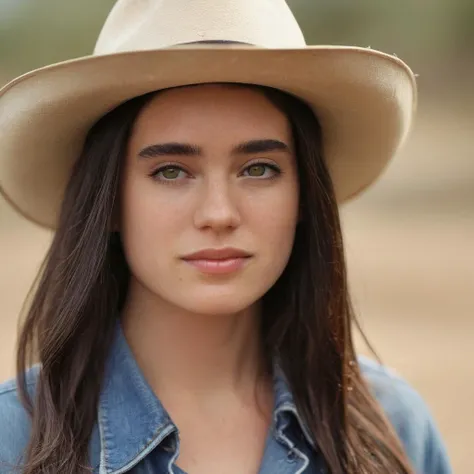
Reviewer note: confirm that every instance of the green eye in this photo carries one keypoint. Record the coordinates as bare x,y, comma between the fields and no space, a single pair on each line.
256,170
262,170
170,173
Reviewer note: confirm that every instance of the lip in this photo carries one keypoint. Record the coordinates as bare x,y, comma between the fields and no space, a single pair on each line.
218,261
217,254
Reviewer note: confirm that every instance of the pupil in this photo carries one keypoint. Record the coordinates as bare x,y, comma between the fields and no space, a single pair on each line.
256,170
170,173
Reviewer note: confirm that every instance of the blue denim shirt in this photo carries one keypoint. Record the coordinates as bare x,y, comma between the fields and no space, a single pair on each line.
135,434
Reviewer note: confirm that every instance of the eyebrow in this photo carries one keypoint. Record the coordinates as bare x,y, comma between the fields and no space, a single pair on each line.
186,149
165,149
261,146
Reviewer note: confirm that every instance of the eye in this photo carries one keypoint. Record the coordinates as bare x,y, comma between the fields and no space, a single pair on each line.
169,173
261,170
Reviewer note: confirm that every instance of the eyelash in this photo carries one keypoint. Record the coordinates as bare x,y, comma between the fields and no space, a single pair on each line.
162,168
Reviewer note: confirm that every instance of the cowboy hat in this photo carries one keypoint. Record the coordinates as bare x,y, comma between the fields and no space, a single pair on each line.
364,99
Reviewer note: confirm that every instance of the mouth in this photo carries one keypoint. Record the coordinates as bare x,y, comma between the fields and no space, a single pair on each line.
218,261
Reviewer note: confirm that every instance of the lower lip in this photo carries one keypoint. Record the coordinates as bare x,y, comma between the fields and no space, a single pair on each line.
219,267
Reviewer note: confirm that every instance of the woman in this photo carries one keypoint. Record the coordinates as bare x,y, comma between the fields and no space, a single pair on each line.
192,314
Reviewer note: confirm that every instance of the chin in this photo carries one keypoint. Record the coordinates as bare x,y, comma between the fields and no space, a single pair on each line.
214,308
224,297
215,304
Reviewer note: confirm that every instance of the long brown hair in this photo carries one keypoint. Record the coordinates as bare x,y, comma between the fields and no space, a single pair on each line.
306,315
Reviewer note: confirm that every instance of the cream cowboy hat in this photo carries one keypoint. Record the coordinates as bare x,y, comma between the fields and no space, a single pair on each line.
364,99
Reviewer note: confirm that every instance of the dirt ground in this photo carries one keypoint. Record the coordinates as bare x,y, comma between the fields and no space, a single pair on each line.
410,248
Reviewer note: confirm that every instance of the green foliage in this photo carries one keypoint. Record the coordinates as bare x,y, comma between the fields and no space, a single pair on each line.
406,27
47,31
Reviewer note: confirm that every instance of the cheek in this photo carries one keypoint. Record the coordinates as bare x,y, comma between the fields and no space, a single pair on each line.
275,219
148,222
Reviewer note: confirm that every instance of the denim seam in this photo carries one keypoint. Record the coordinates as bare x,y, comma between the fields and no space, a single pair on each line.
292,408
14,388
289,444
173,458
103,446
157,437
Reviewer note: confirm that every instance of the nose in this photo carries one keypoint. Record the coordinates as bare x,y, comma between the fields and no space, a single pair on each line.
216,207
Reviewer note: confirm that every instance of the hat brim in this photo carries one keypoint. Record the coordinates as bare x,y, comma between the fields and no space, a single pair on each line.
364,100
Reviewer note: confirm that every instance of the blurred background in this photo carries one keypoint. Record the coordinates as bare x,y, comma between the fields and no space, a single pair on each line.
409,238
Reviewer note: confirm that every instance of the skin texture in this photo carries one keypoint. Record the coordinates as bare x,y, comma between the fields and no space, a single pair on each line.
195,335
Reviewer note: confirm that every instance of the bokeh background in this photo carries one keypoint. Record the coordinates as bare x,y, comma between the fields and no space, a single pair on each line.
409,238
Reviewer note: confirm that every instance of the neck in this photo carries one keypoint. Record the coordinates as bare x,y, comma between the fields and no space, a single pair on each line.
195,355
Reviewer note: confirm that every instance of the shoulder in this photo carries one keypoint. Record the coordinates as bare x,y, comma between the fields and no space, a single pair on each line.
409,415
14,422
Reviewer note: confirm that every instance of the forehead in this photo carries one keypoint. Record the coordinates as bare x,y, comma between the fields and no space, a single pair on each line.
210,111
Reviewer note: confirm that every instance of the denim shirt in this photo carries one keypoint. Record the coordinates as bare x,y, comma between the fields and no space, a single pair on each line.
135,434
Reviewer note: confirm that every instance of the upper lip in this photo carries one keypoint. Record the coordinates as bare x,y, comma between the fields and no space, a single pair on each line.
217,254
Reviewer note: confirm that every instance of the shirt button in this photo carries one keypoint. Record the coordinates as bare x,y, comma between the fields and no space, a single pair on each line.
291,458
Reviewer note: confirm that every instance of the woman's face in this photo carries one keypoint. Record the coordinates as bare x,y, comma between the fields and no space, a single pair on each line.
209,168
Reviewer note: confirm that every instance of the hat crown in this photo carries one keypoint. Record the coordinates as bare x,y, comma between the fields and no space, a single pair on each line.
154,24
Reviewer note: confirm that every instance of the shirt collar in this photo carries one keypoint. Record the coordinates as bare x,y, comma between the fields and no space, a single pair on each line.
132,421
285,406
